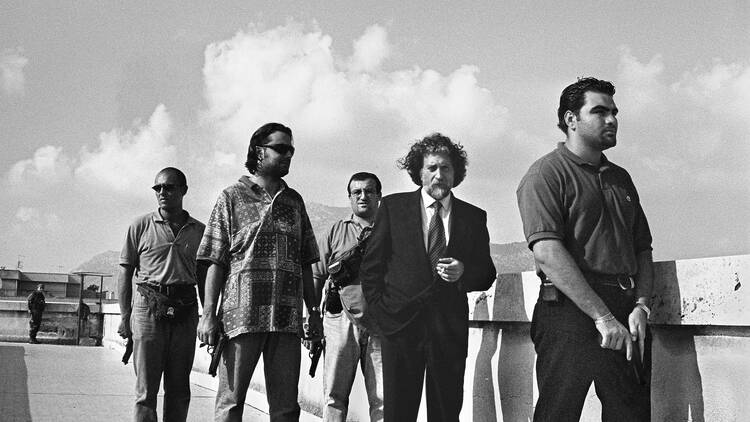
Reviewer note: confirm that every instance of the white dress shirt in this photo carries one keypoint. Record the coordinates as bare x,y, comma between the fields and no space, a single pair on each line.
428,211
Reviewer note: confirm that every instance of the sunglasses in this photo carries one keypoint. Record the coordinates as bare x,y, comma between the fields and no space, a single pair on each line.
168,187
282,149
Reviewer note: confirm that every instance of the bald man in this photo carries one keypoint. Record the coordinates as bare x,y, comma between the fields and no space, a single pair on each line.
162,317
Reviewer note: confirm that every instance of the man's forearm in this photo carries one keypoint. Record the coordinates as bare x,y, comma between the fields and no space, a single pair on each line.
309,289
214,283
125,289
644,280
200,273
560,268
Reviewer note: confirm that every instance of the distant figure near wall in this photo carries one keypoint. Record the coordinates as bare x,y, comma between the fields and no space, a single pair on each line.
36,303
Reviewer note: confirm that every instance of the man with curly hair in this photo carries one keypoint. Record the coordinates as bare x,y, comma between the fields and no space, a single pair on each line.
428,248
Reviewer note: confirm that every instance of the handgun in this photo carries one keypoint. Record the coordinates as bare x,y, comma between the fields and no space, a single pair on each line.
215,352
315,352
128,351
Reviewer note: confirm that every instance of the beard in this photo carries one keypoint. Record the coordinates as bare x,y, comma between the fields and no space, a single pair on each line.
438,190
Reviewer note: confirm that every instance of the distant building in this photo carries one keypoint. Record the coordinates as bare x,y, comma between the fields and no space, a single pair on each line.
17,283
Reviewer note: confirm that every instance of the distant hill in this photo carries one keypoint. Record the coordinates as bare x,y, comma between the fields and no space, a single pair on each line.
508,257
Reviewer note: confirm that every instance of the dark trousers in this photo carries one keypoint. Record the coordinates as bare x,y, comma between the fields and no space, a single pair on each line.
34,323
422,347
281,366
569,358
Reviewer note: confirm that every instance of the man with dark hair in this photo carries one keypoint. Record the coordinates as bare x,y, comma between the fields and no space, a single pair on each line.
161,318
36,303
260,247
348,341
584,223
428,248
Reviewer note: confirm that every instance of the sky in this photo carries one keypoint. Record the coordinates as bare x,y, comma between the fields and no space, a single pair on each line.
97,97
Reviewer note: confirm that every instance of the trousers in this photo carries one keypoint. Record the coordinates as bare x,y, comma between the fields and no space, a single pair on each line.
346,346
162,347
281,364
569,359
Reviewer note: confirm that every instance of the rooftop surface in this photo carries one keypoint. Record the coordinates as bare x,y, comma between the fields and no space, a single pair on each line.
45,382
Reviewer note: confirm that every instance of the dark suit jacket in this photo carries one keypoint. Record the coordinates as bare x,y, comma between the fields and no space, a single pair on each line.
396,275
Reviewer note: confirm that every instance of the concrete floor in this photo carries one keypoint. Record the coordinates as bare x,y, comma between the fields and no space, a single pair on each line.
45,382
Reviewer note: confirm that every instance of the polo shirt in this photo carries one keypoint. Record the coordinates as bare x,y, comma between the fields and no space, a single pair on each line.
594,210
158,256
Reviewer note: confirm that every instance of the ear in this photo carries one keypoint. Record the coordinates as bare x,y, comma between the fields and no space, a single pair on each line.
570,120
184,190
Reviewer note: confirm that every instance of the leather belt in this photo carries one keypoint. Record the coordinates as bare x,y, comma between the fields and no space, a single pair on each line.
623,281
172,289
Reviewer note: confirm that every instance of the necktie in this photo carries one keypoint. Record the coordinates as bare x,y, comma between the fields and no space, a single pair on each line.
436,237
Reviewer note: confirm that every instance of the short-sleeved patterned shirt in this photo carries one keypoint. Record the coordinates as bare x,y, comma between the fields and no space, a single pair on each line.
263,242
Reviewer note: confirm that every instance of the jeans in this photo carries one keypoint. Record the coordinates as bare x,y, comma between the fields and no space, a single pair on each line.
162,347
569,358
346,345
281,363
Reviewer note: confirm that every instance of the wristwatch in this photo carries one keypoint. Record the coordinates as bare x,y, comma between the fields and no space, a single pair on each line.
315,309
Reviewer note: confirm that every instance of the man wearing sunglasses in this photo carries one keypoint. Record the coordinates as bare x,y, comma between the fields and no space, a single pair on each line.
162,316
260,247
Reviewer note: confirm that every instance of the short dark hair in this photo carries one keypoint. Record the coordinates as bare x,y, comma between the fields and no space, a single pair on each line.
361,177
260,137
177,172
574,96
435,143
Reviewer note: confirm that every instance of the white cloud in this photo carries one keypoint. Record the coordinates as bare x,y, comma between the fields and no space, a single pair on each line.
128,160
693,129
638,83
12,62
370,50
49,165
26,214
293,76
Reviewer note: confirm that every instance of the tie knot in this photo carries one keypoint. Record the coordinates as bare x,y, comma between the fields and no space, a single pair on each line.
437,205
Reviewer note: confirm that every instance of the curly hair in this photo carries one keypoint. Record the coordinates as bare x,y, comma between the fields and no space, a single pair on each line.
574,96
260,137
435,143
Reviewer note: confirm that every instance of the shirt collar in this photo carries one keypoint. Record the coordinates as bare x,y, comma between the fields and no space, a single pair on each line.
565,152
156,216
427,200
351,220
250,181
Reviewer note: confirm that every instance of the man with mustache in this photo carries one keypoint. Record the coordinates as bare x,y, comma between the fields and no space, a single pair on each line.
349,341
260,247
428,248
584,223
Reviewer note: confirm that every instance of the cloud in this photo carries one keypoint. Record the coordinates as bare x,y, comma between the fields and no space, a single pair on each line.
49,165
294,76
370,50
125,161
638,82
12,62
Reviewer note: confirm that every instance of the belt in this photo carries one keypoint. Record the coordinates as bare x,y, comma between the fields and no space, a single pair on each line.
623,281
171,289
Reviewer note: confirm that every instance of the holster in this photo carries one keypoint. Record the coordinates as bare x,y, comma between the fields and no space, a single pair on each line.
162,307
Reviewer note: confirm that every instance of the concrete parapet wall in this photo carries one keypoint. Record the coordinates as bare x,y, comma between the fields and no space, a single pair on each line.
58,322
701,348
